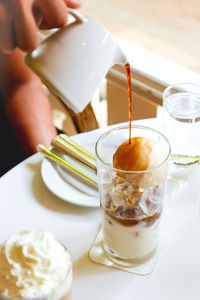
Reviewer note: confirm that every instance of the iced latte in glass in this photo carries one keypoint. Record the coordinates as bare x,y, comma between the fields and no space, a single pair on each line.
132,175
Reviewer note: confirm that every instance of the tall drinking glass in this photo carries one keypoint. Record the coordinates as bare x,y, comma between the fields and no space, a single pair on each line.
181,121
131,201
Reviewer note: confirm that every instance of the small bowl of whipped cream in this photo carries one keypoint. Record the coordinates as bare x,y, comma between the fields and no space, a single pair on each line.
34,265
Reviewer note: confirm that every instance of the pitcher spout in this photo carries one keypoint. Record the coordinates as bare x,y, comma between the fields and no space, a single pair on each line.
119,57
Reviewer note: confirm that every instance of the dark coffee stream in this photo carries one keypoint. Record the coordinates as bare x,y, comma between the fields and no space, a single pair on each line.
128,73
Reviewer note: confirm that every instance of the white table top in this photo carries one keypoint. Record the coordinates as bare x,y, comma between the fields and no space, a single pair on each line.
26,203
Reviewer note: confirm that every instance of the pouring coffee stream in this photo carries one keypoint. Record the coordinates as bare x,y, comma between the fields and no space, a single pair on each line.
128,72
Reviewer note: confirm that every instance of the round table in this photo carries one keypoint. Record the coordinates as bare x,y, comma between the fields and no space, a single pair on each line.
26,203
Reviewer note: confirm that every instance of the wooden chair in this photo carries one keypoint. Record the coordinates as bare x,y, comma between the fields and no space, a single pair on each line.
69,122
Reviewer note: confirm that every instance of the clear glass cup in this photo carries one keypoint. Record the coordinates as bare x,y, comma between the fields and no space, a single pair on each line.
181,122
131,201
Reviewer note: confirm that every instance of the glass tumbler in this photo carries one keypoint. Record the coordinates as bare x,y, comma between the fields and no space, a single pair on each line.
131,201
181,122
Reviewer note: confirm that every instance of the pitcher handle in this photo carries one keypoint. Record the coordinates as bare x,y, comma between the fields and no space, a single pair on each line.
73,12
77,15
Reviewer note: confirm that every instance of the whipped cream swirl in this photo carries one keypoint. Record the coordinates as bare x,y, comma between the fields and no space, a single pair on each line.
32,265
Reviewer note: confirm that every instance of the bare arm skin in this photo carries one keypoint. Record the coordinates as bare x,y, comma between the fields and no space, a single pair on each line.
26,105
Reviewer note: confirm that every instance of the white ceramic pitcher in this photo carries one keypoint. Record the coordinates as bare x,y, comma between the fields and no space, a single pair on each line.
72,61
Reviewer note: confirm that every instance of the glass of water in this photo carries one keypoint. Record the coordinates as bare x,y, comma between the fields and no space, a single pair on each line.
181,122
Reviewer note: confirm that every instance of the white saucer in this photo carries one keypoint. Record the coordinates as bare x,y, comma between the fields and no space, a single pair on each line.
68,187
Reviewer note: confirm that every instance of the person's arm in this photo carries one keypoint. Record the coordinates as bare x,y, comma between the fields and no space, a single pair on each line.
26,105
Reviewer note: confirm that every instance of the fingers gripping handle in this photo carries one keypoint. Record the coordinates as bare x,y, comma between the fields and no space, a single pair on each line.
77,15
73,12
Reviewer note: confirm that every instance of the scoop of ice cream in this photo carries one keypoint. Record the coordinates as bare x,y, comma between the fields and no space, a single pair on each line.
138,155
142,154
32,264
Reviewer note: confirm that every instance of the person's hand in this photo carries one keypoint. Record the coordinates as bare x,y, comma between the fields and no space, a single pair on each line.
20,19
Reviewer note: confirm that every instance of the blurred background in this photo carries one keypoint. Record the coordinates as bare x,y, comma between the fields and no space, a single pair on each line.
168,28
162,40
